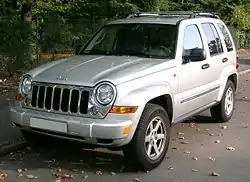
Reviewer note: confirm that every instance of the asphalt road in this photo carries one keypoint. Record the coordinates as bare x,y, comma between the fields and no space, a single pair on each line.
199,147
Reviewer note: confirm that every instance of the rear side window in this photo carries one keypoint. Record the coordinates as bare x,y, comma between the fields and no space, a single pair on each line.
213,39
226,36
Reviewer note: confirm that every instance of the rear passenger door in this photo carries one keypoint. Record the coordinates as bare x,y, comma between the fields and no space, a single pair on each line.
216,57
229,52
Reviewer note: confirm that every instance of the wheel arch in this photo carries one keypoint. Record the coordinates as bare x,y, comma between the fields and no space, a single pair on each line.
166,102
228,74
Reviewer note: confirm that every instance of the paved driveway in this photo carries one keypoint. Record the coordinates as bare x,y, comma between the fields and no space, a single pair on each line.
199,147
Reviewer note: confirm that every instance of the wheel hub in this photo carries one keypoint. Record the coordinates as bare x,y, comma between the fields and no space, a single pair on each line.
155,138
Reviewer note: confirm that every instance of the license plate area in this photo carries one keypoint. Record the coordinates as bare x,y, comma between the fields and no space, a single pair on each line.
48,125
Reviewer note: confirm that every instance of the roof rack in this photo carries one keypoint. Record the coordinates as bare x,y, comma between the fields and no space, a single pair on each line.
188,14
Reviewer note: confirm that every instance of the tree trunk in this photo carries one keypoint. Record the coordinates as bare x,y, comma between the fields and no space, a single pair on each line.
26,12
26,19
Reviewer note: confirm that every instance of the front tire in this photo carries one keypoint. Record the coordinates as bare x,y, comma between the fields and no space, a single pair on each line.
151,139
223,112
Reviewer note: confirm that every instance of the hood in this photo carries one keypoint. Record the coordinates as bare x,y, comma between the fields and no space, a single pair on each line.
88,70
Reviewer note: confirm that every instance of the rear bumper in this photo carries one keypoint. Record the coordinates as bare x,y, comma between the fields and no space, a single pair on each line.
107,132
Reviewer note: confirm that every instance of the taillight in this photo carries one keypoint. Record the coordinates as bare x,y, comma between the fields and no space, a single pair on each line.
237,61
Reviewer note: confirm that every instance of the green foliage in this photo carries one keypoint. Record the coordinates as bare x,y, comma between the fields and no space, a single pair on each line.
55,36
15,40
241,15
58,25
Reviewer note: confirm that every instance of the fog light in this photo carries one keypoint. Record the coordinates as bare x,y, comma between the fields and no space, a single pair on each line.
94,110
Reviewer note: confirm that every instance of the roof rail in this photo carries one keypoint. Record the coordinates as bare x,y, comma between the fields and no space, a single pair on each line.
188,14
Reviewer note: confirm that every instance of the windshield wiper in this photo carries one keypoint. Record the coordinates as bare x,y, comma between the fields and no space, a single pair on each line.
95,51
131,53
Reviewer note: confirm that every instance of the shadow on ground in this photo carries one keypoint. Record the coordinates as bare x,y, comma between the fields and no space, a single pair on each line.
74,157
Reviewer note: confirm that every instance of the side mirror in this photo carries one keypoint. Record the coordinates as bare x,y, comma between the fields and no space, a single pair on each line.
78,48
197,54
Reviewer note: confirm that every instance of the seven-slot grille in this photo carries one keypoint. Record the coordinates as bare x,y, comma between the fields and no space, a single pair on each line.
58,98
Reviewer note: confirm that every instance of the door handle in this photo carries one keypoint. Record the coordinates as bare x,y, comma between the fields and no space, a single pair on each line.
205,66
224,60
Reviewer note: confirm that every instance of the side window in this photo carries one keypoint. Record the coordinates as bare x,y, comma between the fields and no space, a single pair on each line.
217,38
192,39
228,41
213,40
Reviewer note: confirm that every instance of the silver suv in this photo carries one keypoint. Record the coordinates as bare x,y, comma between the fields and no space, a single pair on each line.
131,82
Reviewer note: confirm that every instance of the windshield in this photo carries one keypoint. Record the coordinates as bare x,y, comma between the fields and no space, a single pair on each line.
143,40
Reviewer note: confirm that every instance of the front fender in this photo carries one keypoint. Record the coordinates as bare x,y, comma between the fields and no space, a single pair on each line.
223,79
140,97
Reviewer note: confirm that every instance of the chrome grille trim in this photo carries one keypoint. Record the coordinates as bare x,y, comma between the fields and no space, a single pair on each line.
85,91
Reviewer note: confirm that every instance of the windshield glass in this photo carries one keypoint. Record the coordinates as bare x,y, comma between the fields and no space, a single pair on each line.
144,40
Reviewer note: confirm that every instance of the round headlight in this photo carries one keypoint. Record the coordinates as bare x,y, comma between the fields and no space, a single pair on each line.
105,94
26,85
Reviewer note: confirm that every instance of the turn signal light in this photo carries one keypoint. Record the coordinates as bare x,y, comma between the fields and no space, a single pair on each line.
123,109
127,130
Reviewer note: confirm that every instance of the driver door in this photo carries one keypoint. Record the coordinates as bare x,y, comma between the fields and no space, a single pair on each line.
193,76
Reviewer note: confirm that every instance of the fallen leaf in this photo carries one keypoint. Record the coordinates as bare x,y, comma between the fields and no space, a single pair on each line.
98,173
184,142
67,176
245,126
30,176
192,125
230,148
112,173
194,170
63,175
85,177
211,158
58,180
137,179
3,175
180,133
224,127
214,174
170,168
195,158
19,175
19,170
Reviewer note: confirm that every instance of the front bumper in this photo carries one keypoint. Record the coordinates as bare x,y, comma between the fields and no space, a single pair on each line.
107,132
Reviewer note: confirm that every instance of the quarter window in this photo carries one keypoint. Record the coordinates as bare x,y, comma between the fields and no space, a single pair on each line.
213,39
227,39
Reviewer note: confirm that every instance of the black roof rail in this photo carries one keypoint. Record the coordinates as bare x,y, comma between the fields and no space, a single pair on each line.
188,14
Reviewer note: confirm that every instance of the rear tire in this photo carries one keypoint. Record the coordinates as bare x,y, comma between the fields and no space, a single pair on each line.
223,112
150,143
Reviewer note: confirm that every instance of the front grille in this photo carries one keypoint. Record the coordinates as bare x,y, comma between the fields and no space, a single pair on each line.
60,98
